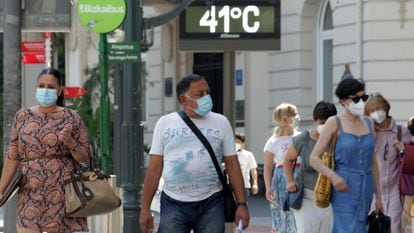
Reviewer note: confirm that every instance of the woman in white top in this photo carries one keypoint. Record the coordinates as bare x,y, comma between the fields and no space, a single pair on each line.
274,177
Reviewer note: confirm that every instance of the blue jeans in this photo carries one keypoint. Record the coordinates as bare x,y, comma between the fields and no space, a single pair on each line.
206,216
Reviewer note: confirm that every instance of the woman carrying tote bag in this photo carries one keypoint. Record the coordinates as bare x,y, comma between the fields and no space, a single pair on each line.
355,177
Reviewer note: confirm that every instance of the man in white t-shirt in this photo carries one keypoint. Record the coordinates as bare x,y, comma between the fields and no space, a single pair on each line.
248,165
191,198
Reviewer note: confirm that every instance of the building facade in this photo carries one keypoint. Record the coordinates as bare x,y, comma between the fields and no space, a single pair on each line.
318,38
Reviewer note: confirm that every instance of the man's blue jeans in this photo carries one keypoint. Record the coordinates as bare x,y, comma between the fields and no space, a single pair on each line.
206,216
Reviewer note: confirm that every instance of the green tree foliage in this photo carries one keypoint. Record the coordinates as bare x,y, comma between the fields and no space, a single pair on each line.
88,108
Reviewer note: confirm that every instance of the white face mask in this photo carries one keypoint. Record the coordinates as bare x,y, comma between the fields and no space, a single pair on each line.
319,128
296,122
379,116
357,109
238,147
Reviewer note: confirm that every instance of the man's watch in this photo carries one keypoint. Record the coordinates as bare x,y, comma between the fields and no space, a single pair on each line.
242,204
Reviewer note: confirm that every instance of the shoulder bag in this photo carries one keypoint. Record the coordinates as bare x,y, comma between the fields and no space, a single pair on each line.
407,167
230,206
407,164
89,193
323,186
294,199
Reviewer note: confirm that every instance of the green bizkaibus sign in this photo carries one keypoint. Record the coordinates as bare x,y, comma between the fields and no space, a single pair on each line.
102,16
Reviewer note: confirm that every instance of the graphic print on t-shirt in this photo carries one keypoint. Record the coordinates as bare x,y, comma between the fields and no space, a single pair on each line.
188,169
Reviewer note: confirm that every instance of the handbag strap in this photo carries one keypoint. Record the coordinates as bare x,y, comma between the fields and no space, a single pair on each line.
206,144
333,142
300,152
399,133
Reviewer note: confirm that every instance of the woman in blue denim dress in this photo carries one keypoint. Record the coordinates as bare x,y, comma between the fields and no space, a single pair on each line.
355,177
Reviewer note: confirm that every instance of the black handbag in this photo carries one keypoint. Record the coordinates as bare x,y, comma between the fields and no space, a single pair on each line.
294,199
378,223
230,206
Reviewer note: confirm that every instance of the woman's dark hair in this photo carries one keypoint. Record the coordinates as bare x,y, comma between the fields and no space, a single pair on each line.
240,137
184,84
323,110
55,73
410,125
348,87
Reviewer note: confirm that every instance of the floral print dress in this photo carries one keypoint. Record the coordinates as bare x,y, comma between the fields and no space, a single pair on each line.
45,162
282,221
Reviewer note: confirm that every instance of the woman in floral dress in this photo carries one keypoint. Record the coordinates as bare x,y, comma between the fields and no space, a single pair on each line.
46,141
283,221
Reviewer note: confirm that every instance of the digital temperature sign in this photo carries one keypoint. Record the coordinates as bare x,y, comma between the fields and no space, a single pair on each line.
229,25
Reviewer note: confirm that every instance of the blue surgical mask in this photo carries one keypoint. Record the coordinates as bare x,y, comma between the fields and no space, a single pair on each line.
205,104
46,97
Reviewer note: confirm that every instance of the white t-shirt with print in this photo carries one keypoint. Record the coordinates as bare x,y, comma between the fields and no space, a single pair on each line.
247,162
278,146
189,173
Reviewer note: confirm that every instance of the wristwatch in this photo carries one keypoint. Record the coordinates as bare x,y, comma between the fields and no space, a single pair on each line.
242,204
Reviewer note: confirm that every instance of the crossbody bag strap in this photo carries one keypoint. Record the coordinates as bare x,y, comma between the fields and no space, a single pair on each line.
399,133
206,144
302,165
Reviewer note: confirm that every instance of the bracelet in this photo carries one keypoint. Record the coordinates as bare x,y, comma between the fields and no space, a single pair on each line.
241,204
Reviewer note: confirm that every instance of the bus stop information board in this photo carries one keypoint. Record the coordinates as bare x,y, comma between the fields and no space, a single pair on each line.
230,25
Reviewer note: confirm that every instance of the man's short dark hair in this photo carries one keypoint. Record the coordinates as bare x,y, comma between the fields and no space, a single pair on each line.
323,110
349,87
184,84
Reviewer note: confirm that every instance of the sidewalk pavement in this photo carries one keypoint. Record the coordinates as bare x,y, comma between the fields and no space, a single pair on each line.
260,219
259,225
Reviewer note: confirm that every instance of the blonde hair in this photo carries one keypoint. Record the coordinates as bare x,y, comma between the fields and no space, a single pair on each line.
377,98
281,111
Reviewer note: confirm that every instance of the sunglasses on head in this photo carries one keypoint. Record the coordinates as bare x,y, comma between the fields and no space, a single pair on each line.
356,99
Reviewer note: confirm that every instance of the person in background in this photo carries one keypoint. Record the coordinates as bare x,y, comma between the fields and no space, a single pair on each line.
248,165
274,178
191,197
309,218
388,152
47,140
409,200
355,177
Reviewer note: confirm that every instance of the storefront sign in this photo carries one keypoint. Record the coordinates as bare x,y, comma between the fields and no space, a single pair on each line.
74,92
34,58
